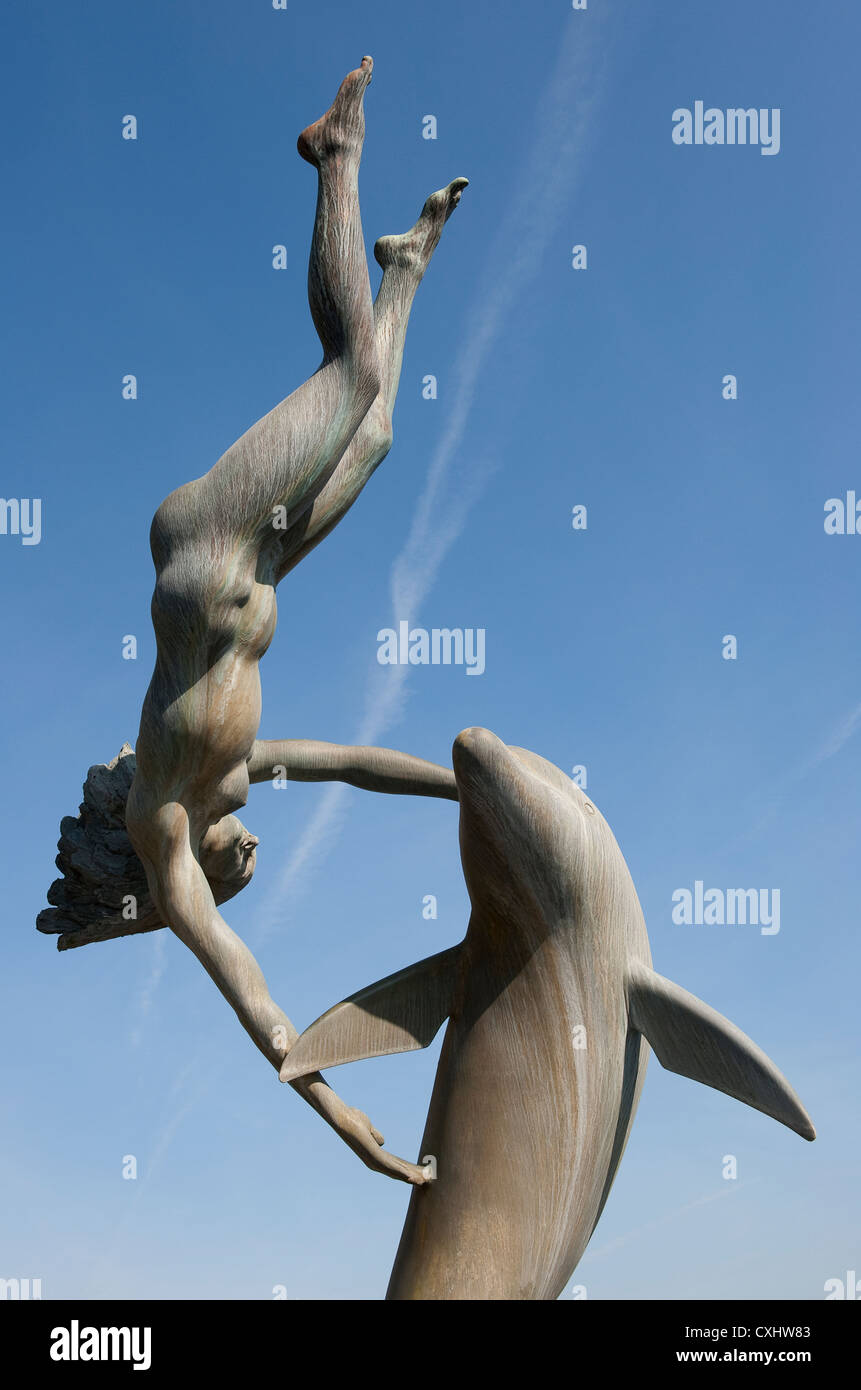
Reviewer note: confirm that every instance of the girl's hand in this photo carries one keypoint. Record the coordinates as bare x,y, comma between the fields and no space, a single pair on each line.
365,1139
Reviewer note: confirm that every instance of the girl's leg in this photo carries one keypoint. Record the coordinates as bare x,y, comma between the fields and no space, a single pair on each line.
404,260
286,457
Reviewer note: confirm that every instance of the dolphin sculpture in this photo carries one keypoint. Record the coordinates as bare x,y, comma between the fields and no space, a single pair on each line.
552,1005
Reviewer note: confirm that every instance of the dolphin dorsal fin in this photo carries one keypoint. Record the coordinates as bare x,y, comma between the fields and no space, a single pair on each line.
694,1040
402,1013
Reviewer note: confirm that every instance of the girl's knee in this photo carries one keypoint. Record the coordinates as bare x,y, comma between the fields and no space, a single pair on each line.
382,435
366,385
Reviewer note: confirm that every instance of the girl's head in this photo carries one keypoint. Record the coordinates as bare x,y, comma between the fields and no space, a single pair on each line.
228,856
103,891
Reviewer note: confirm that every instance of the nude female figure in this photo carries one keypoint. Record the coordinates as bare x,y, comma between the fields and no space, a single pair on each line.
220,545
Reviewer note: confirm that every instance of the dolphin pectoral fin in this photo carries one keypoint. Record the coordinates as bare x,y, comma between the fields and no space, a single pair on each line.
694,1040
402,1013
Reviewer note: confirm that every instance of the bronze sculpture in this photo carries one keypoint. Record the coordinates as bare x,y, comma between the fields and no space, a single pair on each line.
551,998
220,545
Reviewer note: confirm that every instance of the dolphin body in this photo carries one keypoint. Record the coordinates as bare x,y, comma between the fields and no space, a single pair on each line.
552,1004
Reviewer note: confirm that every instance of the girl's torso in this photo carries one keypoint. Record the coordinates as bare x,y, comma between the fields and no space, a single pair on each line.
214,614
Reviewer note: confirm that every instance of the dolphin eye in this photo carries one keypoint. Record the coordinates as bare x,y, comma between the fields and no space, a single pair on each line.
589,808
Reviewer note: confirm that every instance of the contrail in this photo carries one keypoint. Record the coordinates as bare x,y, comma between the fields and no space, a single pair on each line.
839,736
613,1245
147,991
186,1092
559,142
833,744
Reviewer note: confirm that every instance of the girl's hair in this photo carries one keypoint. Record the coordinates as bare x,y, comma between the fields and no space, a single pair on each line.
103,892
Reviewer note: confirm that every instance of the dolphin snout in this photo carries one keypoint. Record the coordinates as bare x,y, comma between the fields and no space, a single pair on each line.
474,749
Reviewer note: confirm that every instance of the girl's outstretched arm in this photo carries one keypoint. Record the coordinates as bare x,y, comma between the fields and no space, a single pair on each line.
374,769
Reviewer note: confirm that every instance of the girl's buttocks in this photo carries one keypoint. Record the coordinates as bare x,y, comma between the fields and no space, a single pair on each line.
207,595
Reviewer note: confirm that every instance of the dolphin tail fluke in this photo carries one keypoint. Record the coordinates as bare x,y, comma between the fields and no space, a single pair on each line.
696,1041
402,1013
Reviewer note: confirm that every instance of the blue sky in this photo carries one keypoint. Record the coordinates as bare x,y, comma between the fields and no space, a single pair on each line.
557,387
